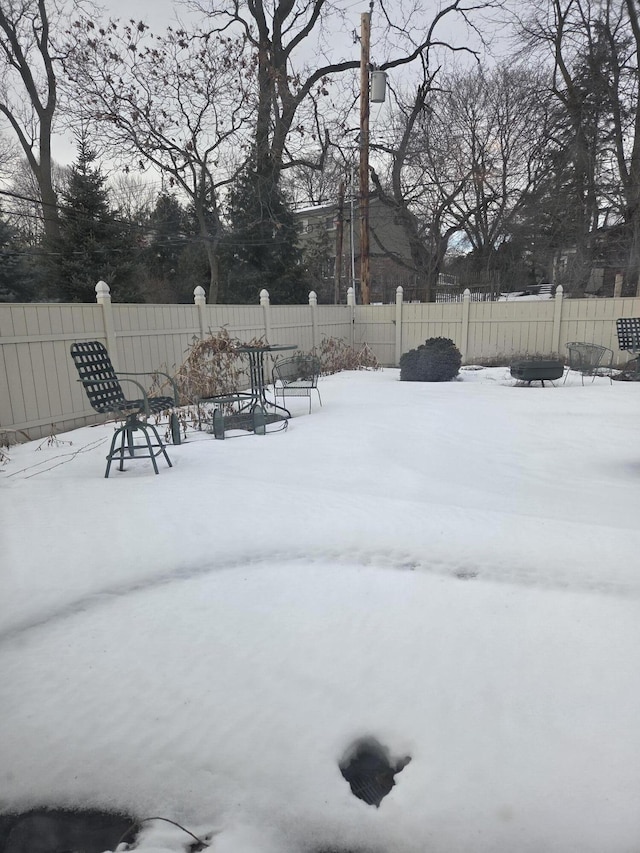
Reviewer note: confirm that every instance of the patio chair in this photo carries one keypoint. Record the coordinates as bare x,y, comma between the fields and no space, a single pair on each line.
296,377
628,330
102,387
589,360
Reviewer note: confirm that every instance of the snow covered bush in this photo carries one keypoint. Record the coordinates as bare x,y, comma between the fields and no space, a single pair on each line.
436,360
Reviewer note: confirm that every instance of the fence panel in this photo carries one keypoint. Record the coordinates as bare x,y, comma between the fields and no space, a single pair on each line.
594,321
154,337
241,321
291,324
334,321
375,326
38,391
433,320
499,330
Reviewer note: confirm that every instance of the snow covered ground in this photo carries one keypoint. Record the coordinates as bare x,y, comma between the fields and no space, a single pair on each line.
453,569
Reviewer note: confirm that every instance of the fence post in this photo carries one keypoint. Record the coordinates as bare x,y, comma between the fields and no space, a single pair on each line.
398,322
264,301
351,302
313,307
103,297
464,334
200,300
557,319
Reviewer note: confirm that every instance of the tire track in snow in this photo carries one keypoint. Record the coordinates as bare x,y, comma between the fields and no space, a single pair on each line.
377,559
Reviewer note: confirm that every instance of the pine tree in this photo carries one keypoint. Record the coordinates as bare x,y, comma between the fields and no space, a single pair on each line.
262,248
163,256
93,244
14,278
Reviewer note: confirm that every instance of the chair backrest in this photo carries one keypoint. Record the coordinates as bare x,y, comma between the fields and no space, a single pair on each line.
628,329
300,368
97,376
585,357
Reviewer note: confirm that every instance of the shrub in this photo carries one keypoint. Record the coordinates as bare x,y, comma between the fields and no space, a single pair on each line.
436,360
336,355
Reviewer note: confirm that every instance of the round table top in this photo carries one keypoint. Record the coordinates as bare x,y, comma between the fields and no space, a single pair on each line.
267,348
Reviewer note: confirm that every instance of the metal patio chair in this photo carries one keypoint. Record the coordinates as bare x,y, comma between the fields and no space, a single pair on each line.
589,360
102,386
628,329
296,377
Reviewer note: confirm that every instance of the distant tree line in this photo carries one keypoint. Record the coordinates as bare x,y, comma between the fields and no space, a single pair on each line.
194,147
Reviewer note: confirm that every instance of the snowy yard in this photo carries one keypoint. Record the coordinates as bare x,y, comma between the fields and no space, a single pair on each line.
453,569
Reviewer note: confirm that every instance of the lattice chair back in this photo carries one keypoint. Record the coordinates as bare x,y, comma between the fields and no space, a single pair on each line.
628,329
98,377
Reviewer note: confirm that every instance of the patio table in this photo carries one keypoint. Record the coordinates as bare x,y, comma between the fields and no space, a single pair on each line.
255,409
256,356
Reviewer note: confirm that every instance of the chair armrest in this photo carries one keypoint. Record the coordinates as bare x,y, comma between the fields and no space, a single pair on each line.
145,396
156,373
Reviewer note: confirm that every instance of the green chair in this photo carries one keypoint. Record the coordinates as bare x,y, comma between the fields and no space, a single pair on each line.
102,386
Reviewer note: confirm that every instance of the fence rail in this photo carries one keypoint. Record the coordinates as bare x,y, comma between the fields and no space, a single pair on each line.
39,393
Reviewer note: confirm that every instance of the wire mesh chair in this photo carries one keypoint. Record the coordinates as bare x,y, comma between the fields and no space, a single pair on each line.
102,386
589,360
296,377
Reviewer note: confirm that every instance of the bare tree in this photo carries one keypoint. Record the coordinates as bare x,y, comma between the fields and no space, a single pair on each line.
22,201
420,186
594,48
176,102
283,34
28,91
8,156
501,124
281,37
132,195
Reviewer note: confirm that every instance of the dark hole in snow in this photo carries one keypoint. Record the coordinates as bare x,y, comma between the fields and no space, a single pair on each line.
369,770
63,830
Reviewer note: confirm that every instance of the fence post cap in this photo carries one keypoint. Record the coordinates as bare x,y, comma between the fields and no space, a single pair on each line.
466,293
313,298
198,293
264,297
399,289
559,290
102,289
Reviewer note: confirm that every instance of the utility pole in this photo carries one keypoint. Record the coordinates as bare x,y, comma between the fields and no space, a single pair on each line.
365,47
339,237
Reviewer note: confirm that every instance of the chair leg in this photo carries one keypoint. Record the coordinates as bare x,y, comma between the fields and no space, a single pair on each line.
130,428
175,428
119,433
152,456
160,445
218,424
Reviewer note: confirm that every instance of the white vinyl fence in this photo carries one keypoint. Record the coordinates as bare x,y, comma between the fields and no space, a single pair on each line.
40,395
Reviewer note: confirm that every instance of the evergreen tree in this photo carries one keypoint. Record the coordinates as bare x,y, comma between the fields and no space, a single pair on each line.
93,244
163,257
261,250
14,278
